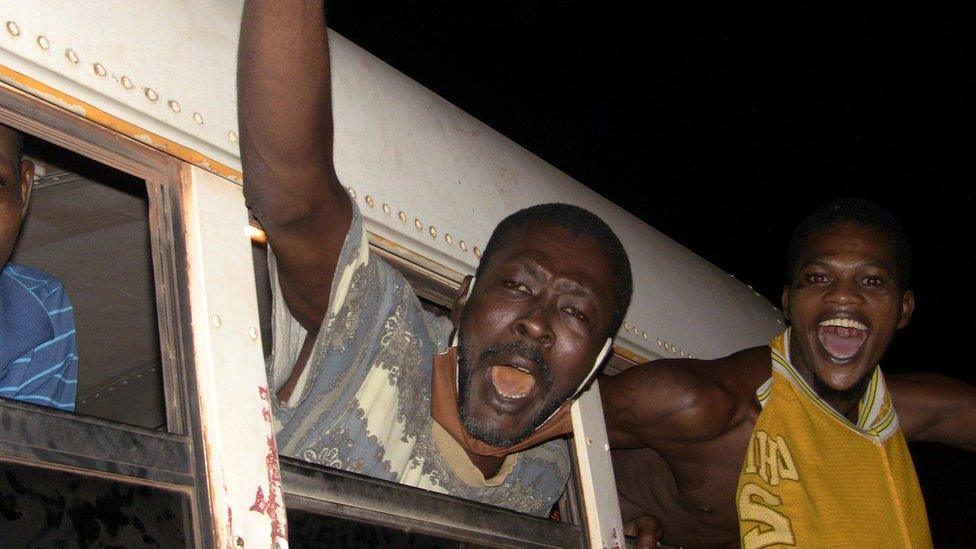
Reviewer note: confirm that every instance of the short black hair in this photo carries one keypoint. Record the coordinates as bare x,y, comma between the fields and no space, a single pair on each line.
580,222
859,211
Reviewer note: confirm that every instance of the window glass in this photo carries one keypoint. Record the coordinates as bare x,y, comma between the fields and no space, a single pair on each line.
50,508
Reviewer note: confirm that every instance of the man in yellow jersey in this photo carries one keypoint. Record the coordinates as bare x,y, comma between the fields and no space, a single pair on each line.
802,442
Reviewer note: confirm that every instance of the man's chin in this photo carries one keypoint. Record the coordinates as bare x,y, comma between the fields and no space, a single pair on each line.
495,436
842,389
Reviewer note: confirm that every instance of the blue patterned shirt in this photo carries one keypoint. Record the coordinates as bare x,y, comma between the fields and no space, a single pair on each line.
38,351
362,404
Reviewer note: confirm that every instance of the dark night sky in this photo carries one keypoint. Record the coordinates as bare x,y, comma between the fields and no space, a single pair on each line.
723,125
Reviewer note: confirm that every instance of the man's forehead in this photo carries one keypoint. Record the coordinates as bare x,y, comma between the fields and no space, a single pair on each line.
581,258
847,238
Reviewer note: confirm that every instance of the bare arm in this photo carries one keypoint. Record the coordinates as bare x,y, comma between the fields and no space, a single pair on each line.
285,118
663,402
936,408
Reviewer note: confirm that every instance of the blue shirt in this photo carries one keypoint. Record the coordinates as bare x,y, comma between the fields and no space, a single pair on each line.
38,351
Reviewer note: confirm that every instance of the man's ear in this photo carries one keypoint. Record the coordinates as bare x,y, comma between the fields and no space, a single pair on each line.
907,308
461,299
26,184
786,300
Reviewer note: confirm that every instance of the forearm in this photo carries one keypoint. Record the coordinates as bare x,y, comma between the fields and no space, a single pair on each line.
285,111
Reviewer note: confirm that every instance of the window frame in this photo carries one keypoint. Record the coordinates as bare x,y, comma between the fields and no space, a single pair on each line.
152,458
178,459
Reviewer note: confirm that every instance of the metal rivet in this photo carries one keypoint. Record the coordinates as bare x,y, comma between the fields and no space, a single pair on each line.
589,440
660,343
252,332
477,252
634,329
369,201
43,42
174,105
13,29
606,447
386,209
682,352
464,247
71,55
626,326
644,335
216,321
432,231
402,216
126,82
418,224
352,192
99,69
151,94
198,118
232,137
448,238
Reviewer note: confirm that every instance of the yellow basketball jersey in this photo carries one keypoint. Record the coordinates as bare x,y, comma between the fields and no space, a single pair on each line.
811,478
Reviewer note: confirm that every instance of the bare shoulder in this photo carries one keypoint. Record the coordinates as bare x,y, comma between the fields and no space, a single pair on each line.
681,400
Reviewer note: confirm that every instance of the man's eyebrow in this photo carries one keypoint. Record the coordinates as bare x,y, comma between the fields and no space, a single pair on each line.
535,270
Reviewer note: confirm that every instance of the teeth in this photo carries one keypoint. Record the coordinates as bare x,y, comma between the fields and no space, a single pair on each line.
844,323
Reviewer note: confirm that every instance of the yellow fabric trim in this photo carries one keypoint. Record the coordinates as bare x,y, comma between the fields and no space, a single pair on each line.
868,416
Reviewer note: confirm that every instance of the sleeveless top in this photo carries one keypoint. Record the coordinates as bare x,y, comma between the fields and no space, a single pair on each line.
811,478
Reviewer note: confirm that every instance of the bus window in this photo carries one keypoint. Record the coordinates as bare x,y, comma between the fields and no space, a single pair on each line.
331,507
88,225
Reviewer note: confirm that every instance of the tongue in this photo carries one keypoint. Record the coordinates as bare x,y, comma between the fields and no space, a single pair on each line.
841,343
511,382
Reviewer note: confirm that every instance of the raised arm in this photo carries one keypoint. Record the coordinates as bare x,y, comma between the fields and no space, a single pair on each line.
935,408
664,402
285,118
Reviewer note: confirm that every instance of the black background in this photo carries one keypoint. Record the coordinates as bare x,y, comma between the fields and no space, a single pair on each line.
723,124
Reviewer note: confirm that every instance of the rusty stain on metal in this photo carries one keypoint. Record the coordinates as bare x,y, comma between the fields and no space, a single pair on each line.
270,505
114,123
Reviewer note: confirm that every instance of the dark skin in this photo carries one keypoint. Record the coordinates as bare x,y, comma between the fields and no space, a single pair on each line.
16,180
680,427
544,287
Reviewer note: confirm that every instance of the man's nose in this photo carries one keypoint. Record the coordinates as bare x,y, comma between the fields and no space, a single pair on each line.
535,324
845,292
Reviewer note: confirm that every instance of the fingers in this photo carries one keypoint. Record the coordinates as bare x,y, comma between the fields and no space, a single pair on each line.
647,529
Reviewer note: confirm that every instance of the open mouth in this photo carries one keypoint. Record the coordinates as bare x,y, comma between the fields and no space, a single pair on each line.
842,338
512,382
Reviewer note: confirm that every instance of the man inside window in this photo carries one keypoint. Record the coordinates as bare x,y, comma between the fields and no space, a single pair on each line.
364,381
38,352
